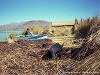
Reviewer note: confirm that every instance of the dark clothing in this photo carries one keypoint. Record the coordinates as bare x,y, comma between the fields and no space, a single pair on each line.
54,49
27,33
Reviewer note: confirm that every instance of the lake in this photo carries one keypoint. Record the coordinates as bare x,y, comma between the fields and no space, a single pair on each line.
4,34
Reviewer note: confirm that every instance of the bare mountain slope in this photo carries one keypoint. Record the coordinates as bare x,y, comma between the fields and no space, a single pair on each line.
23,25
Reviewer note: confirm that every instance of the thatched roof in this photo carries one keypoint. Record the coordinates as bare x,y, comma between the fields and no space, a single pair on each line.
63,23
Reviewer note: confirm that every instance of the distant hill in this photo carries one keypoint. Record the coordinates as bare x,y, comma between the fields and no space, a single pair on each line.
24,25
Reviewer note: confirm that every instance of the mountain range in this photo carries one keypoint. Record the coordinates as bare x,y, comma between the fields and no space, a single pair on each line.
24,25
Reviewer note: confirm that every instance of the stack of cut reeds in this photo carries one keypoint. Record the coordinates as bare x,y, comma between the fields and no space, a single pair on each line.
92,38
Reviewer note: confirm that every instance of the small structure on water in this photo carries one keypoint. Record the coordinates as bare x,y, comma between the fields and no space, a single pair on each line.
67,26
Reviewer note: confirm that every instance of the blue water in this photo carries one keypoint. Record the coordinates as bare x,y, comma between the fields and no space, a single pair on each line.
4,34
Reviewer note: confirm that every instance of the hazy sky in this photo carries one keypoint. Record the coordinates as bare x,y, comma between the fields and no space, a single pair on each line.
49,10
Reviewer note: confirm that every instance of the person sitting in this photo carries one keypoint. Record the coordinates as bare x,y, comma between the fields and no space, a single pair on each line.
27,32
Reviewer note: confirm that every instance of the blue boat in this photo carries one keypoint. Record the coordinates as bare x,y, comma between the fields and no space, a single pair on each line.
33,37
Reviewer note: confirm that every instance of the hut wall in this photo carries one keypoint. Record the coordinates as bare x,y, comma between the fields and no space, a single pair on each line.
66,28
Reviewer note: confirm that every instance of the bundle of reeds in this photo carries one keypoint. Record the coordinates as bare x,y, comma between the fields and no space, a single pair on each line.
85,26
92,39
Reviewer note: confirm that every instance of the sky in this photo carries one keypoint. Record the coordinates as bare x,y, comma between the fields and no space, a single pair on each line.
50,10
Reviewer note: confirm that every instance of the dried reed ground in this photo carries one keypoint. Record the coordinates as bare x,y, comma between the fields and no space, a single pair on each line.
24,58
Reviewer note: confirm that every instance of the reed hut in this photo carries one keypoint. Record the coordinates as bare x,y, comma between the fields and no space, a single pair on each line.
67,26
